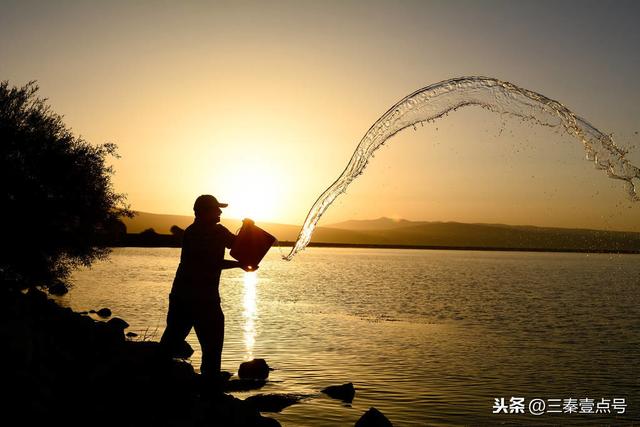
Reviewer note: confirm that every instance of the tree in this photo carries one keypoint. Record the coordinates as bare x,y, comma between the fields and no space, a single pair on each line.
56,193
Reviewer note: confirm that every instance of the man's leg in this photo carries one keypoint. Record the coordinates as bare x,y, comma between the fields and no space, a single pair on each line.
209,325
179,323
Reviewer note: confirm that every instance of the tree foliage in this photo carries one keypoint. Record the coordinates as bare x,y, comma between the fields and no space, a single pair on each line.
57,198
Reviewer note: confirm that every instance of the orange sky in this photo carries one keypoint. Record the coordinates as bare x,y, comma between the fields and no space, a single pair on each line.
262,104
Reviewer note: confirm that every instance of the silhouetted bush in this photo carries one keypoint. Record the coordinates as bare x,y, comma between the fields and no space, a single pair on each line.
56,194
177,234
149,232
115,231
176,231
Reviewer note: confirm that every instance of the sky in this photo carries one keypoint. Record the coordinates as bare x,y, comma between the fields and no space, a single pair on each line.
262,103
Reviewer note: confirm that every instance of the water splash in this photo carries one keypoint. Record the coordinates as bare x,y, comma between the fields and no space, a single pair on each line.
437,100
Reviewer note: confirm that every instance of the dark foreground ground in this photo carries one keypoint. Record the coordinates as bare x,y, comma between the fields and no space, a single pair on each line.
64,368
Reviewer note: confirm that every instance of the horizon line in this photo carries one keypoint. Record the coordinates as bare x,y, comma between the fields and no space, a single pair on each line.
407,220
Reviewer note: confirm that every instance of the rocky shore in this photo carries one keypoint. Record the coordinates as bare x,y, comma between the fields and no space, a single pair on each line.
64,368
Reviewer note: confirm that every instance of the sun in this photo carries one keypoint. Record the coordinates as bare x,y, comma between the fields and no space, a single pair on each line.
253,191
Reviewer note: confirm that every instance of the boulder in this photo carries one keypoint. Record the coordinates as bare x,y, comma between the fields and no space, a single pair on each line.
256,369
231,411
147,352
107,337
273,402
36,297
181,375
344,392
267,422
183,351
373,418
58,288
243,384
85,325
104,312
118,323
117,326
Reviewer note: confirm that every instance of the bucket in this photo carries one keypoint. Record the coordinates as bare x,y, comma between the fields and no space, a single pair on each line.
251,245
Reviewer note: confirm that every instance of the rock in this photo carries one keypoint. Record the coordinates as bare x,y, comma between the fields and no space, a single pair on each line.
92,311
273,402
373,418
104,312
147,352
58,288
131,334
183,351
117,326
244,384
37,298
181,375
344,392
107,336
118,323
231,411
256,369
18,346
267,422
85,325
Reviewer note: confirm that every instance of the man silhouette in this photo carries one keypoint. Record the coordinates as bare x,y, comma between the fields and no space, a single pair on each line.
194,300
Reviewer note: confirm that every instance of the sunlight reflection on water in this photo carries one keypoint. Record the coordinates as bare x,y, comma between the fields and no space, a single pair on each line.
250,312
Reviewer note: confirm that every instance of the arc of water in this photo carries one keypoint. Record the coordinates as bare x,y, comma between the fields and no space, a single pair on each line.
439,99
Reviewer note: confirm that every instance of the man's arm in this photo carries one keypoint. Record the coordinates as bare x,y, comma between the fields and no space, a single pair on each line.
227,263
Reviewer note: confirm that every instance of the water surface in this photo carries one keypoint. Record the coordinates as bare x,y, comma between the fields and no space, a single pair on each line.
427,337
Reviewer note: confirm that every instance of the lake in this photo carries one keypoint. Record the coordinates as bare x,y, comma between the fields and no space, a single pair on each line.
427,337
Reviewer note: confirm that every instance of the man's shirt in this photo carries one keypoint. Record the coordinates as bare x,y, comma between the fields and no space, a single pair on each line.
203,248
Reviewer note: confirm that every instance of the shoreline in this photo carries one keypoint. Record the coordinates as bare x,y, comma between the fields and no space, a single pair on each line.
463,248
169,241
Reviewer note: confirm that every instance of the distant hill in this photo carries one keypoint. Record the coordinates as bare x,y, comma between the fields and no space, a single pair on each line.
383,223
387,231
423,233
161,223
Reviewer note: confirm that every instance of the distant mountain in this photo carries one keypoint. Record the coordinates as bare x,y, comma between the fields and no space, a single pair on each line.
382,223
455,234
387,231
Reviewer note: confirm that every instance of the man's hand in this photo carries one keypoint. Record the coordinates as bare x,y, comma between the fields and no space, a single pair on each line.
249,267
227,263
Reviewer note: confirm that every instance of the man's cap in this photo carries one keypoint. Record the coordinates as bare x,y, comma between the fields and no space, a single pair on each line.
207,201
